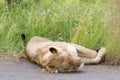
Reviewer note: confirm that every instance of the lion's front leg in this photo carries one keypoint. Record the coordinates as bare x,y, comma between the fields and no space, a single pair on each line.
95,60
84,52
89,56
49,70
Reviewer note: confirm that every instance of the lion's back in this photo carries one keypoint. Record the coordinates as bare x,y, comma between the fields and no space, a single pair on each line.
38,39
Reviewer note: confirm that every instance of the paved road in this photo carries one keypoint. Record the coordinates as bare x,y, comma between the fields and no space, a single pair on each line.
25,70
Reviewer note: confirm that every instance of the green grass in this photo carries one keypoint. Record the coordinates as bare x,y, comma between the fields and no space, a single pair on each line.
85,22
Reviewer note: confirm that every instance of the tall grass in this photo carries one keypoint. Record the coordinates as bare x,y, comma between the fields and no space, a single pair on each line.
83,22
91,29
113,33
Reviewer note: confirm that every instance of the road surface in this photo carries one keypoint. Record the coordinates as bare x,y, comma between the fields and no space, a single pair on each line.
25,70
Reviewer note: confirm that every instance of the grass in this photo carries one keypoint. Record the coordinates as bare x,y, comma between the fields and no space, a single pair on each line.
85,22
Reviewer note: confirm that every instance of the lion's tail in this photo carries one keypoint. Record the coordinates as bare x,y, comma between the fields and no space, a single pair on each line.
23,39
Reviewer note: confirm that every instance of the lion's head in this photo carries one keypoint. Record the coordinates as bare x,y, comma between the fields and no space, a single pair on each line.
58,60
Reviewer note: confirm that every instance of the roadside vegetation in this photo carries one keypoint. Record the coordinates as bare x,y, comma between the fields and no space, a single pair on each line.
90,23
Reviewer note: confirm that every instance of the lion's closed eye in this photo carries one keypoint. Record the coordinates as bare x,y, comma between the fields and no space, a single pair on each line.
51,66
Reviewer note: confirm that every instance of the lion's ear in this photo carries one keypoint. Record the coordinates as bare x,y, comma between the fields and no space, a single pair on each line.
53,50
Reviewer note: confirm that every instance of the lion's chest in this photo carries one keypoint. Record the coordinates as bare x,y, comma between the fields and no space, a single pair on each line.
68,48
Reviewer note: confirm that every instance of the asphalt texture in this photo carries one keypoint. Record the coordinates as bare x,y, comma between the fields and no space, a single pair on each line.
25,70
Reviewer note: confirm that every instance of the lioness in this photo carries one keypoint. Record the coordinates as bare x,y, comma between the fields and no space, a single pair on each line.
60,56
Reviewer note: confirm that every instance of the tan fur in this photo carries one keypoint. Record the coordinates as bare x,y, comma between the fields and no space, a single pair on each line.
60,56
